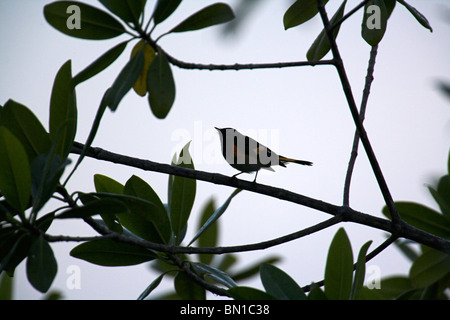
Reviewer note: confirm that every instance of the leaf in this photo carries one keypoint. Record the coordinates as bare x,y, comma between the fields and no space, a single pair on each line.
321,45
15,176
160,86
151,287
187,289
251,270
374,21
163,9
279,284
124,81
216,274
106,184
211,15
135,186
442,195
46,171
300,12
127,10
181,195
109,253
63,110
419,17
216,215
423,218
428,268
102,62
140,87
99,206
360,272
41,265
23,124
81,20
247,293
339,268
210,237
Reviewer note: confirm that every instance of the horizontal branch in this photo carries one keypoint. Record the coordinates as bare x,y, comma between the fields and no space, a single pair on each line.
249,66
402,229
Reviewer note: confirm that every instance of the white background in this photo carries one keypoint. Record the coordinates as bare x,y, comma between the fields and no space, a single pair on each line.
300,112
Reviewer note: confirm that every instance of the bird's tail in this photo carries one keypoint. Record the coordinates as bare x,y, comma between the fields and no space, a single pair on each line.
283,160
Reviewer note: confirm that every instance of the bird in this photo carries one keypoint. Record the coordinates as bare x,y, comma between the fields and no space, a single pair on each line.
248,155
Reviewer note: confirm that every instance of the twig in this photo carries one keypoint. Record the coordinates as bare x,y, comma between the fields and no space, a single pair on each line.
362,112
358,123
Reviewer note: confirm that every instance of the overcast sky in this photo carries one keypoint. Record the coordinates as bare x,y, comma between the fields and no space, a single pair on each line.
298,112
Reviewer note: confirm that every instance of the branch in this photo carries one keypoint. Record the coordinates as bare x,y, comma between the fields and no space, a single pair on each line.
362,113
402,229
358,123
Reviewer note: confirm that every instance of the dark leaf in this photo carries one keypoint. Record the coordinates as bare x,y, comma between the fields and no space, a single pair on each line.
214,14
104,61
99,206
279,284
15,177
127,10
110,253
23,124
63,111
164,8
360,272
299,12
160,86
81,20
339,268
374,21
419,17
41,265
187,289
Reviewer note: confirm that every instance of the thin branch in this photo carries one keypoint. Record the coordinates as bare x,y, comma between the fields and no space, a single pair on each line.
402,229
362,113
355,114
349,14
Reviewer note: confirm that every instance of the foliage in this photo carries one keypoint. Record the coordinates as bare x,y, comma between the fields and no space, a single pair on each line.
134,224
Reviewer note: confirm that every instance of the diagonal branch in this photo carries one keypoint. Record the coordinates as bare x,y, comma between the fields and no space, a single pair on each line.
362,113
356,118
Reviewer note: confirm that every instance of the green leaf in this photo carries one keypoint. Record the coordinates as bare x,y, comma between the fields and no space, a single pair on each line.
41,265
15,176
442,195
299,12
6,287
339,268
109,253
374,21
247,293
124,81
151,287
99,206
210,237
140,86
360,272
106,184
135,186
209,16
214,273
431,266
316,293
127,10
163,9
187,289
216,215
248,271
23,124
321,45
181,195
46,171
81,20
279,284
13,249
160,86
419,17
63,110
423,218
102,62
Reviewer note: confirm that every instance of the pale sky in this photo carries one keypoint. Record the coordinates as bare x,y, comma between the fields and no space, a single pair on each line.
299,112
